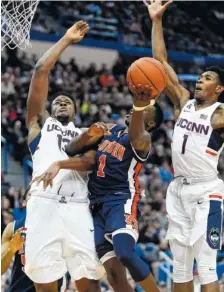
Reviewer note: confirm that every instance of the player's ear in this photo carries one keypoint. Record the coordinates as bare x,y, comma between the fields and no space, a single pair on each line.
219,89
151,124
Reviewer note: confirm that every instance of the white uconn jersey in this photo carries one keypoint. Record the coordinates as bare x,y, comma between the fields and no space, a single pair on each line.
48,147
196,146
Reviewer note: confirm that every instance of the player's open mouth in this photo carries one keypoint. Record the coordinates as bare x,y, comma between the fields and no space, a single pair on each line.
198,88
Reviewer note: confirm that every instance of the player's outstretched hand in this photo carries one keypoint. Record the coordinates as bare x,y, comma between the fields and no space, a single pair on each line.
156,8
142,94
77,32
48,176
16,243
99,130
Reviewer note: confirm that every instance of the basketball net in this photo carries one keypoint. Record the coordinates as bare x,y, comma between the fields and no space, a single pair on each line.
16,20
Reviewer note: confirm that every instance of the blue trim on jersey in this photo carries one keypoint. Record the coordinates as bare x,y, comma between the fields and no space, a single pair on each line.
214,225
18,224
33,145
215,142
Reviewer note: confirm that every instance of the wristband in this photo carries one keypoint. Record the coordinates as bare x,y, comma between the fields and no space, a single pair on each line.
138,109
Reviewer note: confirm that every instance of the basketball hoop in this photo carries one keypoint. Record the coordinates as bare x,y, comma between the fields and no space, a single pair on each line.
16,18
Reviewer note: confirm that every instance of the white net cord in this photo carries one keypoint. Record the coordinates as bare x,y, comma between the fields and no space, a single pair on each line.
16,20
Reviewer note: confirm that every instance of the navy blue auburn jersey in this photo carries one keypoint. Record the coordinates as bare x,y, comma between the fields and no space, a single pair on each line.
19,280
116,169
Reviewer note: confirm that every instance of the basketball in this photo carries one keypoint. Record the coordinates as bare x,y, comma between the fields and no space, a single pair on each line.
148,71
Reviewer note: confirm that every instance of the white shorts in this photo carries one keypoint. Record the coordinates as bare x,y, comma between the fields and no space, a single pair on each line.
60,238
195,210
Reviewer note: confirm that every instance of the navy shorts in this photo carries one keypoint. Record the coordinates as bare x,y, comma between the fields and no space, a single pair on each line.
109,217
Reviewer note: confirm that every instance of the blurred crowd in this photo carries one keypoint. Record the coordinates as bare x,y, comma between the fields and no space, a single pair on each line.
128,22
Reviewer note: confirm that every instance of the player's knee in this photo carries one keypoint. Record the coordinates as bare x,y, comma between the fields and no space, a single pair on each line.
126,259
207,274
125,253
182,262
113,278
181,272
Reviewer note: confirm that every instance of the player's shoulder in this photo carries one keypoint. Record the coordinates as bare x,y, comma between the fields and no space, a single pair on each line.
221,107
117,128
218,117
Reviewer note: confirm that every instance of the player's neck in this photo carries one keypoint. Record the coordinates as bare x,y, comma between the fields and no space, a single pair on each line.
200,103
63,121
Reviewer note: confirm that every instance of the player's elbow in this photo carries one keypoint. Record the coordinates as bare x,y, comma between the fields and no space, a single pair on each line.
87,164
40,67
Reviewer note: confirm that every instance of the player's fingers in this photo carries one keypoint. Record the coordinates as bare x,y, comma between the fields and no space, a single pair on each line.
40,178
34,180
51,183
45,184
148,91
168,3
78,24
146,3
107,133
84,28
18,231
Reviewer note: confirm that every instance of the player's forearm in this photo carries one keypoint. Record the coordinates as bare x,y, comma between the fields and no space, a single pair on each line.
76,163
158,43
81,144
48,60
7,255
136,128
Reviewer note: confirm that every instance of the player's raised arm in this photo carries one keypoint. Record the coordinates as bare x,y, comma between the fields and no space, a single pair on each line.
11,243
139,138
39,83
177,94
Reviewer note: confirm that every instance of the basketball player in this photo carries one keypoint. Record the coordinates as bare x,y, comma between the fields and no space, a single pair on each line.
58,221
194,198
114,188
13,247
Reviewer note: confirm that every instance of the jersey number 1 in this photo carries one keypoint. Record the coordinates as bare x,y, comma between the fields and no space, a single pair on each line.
102,160
184,143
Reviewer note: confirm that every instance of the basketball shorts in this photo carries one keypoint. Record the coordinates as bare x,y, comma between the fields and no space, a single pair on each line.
60,238
111,218
195,210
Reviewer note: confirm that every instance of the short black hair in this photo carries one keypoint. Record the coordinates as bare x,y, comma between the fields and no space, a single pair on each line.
220,73
67,94
159,117
218,70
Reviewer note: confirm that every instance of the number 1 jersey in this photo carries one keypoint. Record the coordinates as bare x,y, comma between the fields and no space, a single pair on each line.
196,146
115,173
48,147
